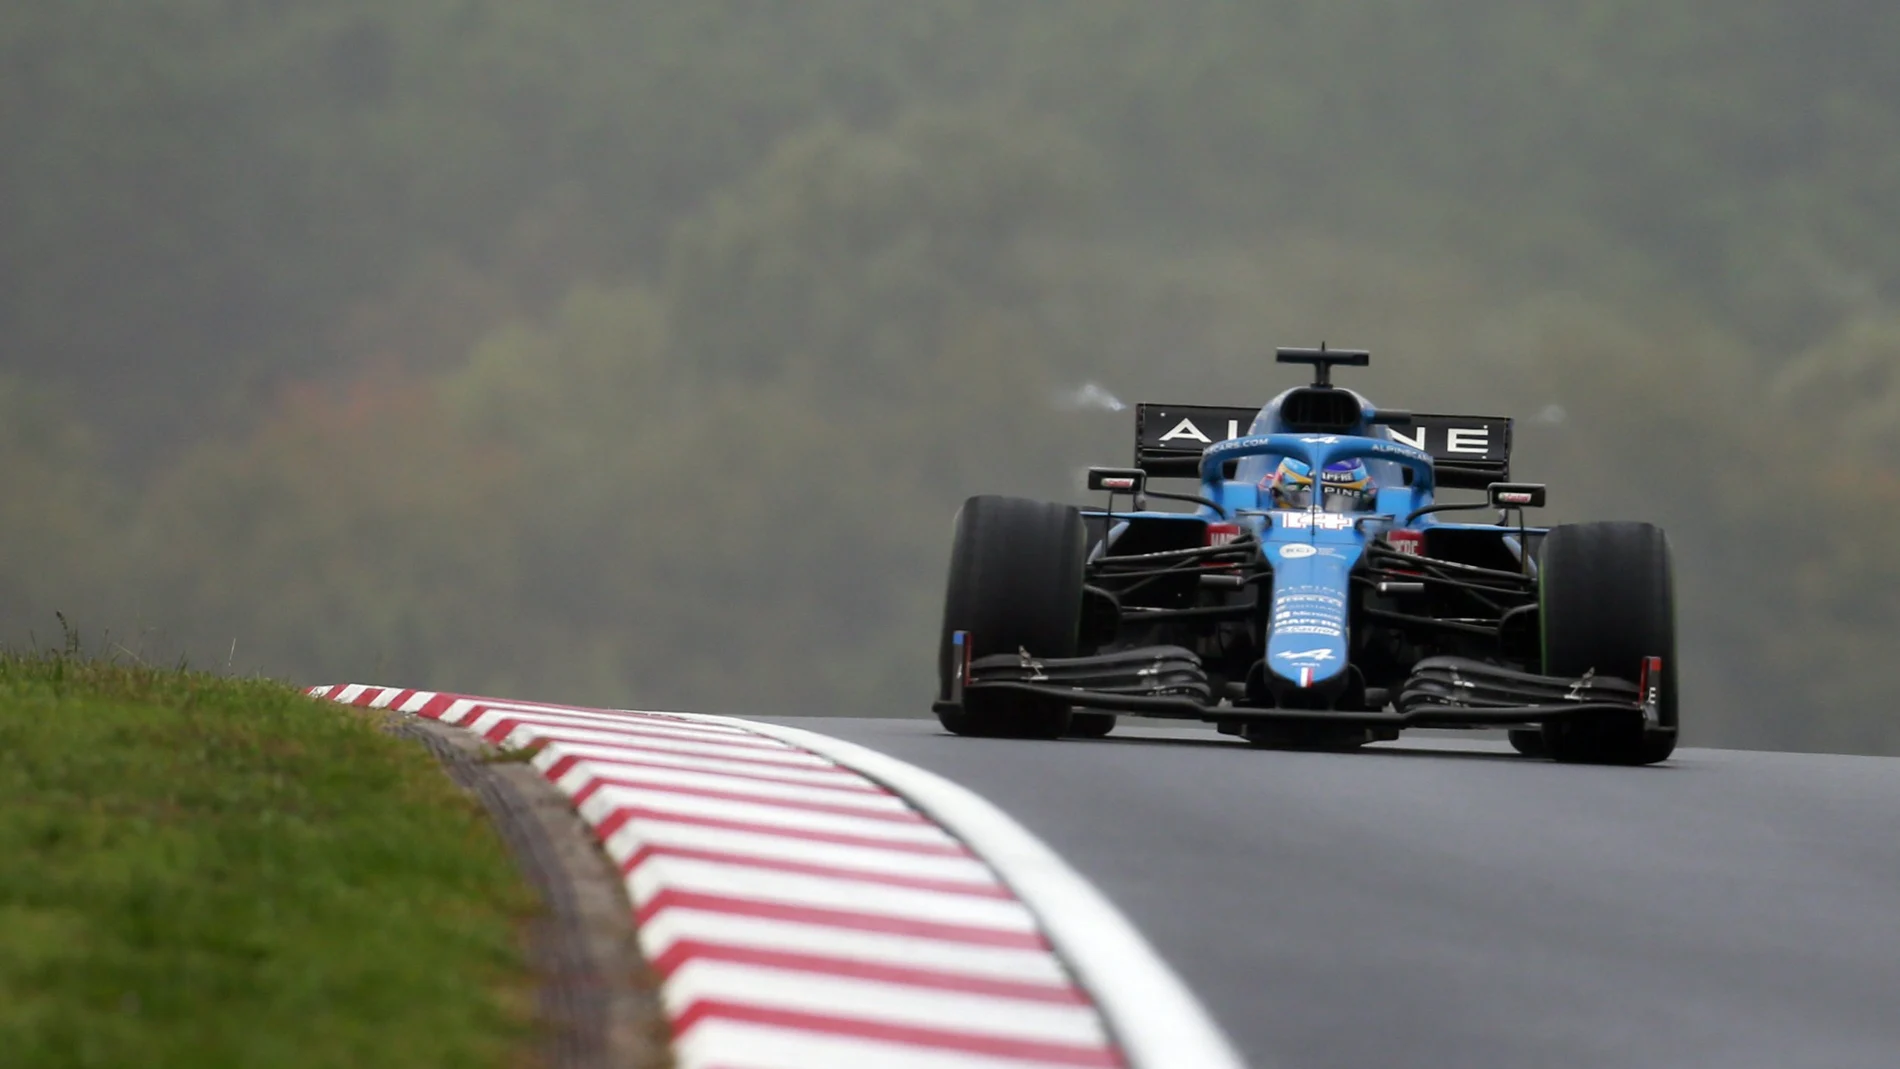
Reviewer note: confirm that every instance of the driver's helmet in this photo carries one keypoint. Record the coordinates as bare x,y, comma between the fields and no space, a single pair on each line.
1346,486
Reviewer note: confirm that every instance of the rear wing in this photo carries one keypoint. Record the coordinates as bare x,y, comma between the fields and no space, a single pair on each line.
1169,438
1468,452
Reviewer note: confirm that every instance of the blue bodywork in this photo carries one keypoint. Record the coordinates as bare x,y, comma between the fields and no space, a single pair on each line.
1312,553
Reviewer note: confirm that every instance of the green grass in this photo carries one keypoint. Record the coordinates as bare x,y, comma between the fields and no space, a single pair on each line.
199,871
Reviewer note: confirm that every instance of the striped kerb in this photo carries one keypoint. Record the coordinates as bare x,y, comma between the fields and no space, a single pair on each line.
800,915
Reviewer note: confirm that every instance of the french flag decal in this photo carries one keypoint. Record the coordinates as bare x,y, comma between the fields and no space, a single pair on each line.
1306,675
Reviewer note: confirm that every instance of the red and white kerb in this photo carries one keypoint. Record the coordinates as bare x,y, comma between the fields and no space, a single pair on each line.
801,916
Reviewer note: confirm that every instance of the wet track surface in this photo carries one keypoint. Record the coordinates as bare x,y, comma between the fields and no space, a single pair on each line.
1439,903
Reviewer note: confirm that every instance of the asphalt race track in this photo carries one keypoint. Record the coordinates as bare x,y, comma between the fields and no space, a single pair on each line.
1440,903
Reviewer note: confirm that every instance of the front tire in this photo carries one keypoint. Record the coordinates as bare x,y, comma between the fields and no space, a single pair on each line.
1015,583
1091,725
1608,597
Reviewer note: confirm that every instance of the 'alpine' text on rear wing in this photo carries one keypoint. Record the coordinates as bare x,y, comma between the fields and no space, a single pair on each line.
1469,452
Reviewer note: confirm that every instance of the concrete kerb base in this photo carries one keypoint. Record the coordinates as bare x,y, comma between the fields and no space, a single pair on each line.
598,1005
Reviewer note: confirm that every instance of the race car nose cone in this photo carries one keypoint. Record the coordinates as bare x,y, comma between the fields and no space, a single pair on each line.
1307,644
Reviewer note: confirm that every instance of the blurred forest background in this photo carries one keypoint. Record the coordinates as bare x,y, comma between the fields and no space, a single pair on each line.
640,352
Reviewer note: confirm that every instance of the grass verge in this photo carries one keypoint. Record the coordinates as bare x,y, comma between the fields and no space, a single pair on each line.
200,871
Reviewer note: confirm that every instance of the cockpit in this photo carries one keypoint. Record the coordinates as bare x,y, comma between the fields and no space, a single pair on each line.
1344,487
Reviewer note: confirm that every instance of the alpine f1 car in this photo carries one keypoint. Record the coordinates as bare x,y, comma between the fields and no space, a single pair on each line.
1318,595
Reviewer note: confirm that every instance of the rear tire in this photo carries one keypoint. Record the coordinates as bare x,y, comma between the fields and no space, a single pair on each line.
1015,584
1608,601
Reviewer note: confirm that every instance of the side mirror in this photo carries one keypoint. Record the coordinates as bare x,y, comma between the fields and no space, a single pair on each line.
1517,495
1118,480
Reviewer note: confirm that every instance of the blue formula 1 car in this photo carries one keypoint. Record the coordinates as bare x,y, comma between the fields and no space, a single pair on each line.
1317,596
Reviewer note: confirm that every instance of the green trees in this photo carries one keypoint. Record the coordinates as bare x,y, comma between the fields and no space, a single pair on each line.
56,514
640,352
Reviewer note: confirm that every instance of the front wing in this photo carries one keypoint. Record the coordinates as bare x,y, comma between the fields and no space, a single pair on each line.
1168,681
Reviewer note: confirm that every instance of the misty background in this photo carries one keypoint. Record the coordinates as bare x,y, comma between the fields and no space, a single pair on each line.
640,352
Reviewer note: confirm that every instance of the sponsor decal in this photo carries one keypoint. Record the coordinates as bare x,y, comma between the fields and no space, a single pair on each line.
1327,612
1368,447
1221,534
1186,429
1118,484
1459,441
1472,440
1297,550
1318,656
1189,431
1322,521
1220,451
1389,449
1330,439
1309,618
1293,600
1516,498
1410,543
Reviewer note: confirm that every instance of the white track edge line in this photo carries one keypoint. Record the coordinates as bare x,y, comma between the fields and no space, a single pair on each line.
1148,1008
